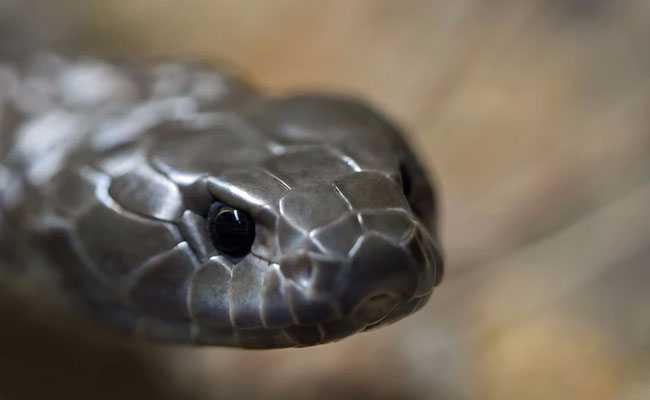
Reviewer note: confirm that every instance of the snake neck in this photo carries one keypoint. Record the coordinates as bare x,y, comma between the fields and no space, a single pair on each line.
9,184
8,177
12,178
12,187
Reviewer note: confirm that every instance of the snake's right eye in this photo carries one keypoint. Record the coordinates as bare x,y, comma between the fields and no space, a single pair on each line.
232,231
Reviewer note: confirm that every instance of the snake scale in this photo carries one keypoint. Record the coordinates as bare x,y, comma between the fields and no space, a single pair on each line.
176,202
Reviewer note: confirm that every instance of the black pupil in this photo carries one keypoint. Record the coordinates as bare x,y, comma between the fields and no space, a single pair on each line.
232,231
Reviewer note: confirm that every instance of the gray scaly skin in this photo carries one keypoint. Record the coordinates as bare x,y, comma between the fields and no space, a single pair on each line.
108,171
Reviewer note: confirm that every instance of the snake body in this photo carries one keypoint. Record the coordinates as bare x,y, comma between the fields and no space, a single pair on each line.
108,172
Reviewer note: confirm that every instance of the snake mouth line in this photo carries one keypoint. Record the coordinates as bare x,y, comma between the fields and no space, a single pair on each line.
334,330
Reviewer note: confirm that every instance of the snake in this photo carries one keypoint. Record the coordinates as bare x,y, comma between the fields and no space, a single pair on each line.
177,202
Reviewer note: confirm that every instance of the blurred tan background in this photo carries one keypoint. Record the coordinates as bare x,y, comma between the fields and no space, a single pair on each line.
535,117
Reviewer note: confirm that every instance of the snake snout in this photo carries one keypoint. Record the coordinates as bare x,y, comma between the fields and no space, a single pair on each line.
392,263
374,308
381,276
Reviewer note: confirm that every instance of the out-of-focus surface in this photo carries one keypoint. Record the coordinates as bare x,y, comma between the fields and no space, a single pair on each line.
534,115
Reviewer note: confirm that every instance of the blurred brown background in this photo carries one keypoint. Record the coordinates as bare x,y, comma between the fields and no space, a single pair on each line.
535,117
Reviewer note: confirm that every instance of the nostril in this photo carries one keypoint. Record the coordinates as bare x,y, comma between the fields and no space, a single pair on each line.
378,267
374,308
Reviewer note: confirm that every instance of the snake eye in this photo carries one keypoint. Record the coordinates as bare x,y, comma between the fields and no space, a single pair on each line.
232,231
406,179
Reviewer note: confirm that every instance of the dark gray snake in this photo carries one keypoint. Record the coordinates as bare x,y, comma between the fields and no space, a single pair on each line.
177,202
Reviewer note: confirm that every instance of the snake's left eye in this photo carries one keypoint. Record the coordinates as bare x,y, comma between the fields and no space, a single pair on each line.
406,179
232,231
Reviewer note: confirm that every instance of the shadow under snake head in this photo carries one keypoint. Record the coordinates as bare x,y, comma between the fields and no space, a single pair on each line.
276,222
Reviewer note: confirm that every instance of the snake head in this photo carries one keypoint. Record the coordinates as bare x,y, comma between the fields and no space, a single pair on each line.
329,259
283,222
344,228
